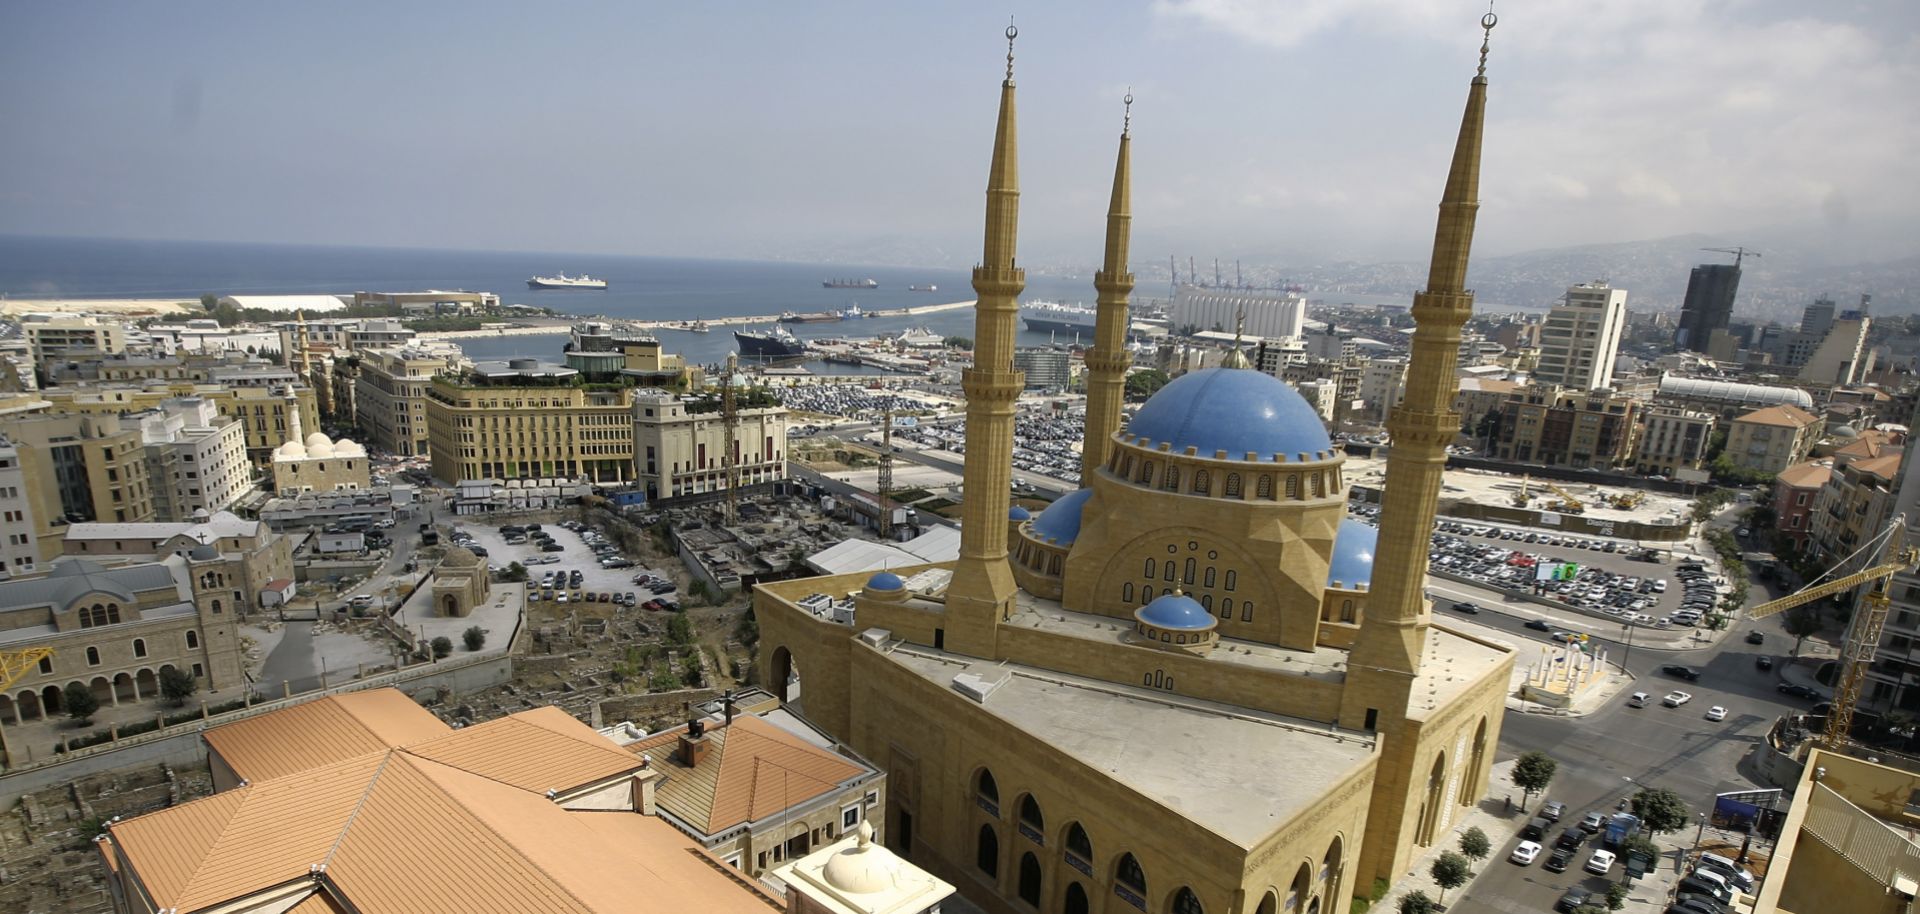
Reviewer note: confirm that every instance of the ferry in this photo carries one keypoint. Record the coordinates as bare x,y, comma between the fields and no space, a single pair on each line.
1054,317
563,281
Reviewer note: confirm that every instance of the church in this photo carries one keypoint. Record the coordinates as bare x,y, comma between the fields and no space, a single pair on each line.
1194,685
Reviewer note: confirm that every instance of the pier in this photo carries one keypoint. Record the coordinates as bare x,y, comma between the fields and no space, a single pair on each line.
678,324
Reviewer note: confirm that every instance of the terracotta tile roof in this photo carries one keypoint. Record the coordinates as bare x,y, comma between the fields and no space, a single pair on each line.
753,770
1886,467
1806,475
398,831
1783,415
321,732
539,750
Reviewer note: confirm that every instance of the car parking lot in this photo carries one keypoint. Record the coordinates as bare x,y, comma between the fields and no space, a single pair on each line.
1045,442
574,573
1599,576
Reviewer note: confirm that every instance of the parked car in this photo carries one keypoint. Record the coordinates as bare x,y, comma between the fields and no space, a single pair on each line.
1553,810
1558,861
1573,899
552,547
1525,853
1593,822
1570,838
1600,862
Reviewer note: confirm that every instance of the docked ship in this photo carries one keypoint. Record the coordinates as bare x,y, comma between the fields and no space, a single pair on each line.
776,343
1054,317
563,281
851,284
851,313
925,288
810,317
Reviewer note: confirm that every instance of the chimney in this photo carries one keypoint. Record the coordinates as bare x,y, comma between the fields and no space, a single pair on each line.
693,744
643,788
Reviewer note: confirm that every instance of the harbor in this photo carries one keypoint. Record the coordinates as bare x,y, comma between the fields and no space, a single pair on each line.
561,325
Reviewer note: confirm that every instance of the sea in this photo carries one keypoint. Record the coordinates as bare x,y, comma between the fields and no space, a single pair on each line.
638,287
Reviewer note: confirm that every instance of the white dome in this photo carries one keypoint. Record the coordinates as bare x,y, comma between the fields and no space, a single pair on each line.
863,869
323,449
292,450
317,439
346,447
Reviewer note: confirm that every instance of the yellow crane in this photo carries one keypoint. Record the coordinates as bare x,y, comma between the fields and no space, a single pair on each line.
1523,498
1627,500
1863,635
1568,503
14,666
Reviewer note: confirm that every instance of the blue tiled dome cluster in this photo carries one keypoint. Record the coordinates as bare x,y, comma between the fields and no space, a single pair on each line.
1060,522
1353,554
1176,612
1233,410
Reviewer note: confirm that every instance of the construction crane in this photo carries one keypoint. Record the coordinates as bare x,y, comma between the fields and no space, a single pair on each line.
1523,497
14,666
730,421
884,484
1863,633
1738,253
1568,504
1627,500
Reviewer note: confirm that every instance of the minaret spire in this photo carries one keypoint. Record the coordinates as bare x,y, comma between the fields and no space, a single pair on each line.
980,595
1107,362
1393,633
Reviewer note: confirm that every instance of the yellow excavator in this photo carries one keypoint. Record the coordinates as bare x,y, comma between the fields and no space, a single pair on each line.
1523,498
1627,501
1567,503
1863,634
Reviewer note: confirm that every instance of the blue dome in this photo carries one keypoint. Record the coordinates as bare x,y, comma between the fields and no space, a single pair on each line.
1060,522
1235,410
1353,554
1175,612
886,580
1017,514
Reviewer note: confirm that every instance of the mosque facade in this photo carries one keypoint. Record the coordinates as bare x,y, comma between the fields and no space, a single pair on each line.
1194,686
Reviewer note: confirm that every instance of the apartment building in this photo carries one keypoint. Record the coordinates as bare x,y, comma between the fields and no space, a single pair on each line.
1794,492
679,442
1580,338
56,336
1382,383
1770,440
196,458
524,417
266,413
80,468
1853,507
1673,440
390,394
1549,425
1046,368
19,552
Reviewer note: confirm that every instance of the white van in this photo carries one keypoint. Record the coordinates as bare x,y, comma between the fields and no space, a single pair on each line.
1638,700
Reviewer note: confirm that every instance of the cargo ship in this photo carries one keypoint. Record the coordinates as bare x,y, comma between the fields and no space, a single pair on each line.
851,284
776,343
811,317
1053,317
925,288
563,281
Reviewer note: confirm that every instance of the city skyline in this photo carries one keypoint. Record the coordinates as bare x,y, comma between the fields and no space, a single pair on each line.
682,132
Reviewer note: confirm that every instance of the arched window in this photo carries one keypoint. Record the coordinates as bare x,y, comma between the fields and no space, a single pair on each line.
1185,902
1077,901
139,647
1233,486
1126,469
193,640
1078,844
113,613
1146,595
1030,814
1150,569
1246,611
1127,872
1167,568
1172,481
987,853
985,787
1209,577
1030,879
1301,888
1188,577
1226,608
216,607
1180,639
1346,610
1293,486
1232,576
1126,592
1202,483
93,656
1146,472
1264,488
1053,566
1318,484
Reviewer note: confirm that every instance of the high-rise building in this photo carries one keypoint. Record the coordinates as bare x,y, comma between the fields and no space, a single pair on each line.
1842,356
1708,305
1581,337
18,552
80,468
1045,368
390,394
196,458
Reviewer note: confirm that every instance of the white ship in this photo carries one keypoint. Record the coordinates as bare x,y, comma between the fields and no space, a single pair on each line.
1054,317
563,281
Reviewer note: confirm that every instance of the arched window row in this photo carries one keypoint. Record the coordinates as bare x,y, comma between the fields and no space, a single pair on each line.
1168,478
99,614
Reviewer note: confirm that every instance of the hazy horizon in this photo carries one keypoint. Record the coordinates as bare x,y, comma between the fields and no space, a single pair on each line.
1307,131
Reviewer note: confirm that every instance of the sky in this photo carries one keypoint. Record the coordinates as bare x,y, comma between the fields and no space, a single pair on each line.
1302,129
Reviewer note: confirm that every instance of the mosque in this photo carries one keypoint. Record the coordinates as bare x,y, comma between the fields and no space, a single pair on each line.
1193,686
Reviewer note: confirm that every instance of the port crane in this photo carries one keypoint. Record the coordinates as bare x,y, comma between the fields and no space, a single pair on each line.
1739,254
1863,633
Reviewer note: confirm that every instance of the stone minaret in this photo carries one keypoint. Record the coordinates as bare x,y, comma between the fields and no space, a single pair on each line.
1393,634
1107,362
981,593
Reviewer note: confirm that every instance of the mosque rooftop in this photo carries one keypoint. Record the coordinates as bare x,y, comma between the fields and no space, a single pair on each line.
1146,739
1238,413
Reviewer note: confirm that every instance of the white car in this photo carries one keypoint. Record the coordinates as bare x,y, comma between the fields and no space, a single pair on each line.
1600,862
1676,699
1716,713
1526,853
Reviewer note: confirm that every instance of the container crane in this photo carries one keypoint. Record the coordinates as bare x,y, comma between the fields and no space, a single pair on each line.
1863,633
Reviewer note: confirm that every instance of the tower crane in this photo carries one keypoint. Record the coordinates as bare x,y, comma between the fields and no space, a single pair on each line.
1738,253
1863,633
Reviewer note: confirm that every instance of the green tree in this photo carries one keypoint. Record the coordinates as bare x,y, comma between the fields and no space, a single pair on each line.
958,342
1533,772
177,685
1660,810
442,647
475,637
209,301
1416,902
666,680
515,572
1144,384
1450,872
1617,896
1638,843
679,630
1801,622
1474,843
80,703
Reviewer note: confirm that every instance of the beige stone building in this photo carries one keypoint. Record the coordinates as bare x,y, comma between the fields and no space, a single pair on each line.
197,458
1548,425
1771,439
55,336
1847,841
320,464
266,413
1672,440
1136,701
390,394
679,443
460,583
19,545
80,468
263,558
1853,506
524,417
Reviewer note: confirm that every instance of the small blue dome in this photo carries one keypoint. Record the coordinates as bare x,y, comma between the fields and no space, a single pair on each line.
1235,410
1353,554
886,580
1060,522
1175,612
1018,514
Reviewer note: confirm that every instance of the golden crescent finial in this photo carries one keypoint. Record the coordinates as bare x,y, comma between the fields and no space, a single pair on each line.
1012,33
1126,120
1487,23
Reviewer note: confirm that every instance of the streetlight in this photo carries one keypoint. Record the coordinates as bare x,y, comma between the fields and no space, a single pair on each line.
1628,653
